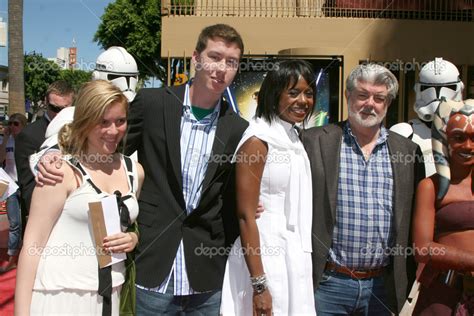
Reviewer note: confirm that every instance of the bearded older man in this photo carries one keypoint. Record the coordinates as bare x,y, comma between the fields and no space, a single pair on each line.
364,180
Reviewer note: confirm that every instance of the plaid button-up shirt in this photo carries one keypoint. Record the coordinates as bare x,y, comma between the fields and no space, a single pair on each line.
363,233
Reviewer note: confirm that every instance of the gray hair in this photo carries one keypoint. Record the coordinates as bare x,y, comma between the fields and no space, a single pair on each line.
375,74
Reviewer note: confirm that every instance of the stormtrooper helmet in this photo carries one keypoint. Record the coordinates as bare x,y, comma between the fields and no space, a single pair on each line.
438,78
119,67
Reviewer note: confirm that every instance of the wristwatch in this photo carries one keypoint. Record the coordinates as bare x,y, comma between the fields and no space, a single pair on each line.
259,283
259,288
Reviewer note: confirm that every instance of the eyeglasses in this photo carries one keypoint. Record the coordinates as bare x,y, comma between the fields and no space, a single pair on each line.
55,108
14,123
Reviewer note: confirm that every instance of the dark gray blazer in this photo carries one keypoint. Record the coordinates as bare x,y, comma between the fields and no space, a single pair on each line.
323,145
27,143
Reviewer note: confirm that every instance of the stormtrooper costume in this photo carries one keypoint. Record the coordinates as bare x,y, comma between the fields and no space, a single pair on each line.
437,79
119,67
115,65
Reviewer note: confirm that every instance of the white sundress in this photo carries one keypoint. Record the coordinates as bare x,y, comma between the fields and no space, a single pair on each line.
67,277
284,228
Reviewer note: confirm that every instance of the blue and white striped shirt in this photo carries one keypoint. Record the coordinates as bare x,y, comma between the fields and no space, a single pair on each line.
363,233
197,138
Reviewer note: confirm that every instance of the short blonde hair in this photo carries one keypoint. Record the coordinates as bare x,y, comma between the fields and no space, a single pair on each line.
93,99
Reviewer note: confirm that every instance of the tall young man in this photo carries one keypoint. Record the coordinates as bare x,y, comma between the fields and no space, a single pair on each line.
187,201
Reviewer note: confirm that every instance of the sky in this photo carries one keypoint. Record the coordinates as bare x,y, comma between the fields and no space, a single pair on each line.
50,24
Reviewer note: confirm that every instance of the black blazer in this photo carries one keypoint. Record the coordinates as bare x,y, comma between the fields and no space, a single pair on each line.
154,131
26,143
323,145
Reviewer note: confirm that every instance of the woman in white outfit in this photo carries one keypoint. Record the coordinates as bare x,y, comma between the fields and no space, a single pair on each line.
58,272
269,268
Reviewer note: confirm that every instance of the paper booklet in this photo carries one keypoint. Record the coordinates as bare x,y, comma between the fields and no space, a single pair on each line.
8,186
105,220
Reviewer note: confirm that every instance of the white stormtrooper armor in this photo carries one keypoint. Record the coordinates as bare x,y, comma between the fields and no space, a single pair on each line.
119,67
420,133
115,65
437,79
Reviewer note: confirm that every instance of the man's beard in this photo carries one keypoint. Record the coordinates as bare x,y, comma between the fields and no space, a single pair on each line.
371,119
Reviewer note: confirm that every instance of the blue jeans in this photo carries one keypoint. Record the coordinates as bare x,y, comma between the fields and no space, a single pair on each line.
151,303
339,294
14,220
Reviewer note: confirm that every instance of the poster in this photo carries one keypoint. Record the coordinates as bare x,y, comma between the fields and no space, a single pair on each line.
247,83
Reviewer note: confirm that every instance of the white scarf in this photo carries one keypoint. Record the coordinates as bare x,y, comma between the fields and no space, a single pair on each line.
298,201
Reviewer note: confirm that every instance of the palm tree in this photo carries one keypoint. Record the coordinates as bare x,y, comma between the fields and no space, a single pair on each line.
16,77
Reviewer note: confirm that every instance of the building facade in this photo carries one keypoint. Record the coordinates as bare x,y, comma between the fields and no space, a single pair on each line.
3,91
66,57
338,35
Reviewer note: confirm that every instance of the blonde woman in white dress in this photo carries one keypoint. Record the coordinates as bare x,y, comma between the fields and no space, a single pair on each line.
58,270
269,269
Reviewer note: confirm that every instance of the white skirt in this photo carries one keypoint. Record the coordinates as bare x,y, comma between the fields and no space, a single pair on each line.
71,302
287,267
